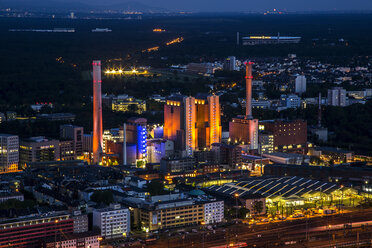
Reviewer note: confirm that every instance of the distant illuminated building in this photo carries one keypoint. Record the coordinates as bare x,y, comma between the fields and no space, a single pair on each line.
129,105
269,40
192,122
158,30
244,129
97,112
9,153
136,133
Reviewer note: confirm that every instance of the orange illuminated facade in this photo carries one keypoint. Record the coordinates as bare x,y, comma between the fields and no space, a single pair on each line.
192,122
244,131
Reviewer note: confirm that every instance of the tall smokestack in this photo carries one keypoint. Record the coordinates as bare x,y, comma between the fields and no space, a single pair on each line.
97,112
320,110
237,38
248,84
125,144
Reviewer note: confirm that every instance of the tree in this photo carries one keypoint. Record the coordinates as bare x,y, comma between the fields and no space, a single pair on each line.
242,214
156,188
258,207
105,197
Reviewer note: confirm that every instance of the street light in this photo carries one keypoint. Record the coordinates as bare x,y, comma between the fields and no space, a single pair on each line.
236,195
203,224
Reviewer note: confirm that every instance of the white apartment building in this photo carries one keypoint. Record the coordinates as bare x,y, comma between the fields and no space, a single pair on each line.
86,242
300,84
213,212
113,221
337,97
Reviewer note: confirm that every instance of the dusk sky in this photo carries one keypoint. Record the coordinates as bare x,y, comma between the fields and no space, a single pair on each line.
233,5
250,5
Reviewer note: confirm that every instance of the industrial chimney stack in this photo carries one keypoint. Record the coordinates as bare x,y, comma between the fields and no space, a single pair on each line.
97,112
248,81
320,110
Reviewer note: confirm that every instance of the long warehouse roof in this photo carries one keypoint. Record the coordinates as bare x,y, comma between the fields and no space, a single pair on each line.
274,186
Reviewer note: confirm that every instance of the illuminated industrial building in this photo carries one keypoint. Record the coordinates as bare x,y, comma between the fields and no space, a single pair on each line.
192,122
288,135
289,191
137,133
97,112
9,153
244,129
269,40
129,105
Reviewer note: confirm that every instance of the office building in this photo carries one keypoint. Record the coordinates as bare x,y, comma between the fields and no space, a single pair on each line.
158,149
97,113
113,221
38,149
173,165
192,122
66,150
337,97
172,211
9,153
230,155
266,142
288,135
80,222
290,101
300,84
244,129
230,64
74,133
32,232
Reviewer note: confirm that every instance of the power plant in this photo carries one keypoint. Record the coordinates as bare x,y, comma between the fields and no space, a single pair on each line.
97,113
244,129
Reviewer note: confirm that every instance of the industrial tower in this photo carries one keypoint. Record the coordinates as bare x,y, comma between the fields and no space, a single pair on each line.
97,113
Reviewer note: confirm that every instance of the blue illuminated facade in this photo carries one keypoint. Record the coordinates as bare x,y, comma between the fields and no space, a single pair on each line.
141,141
